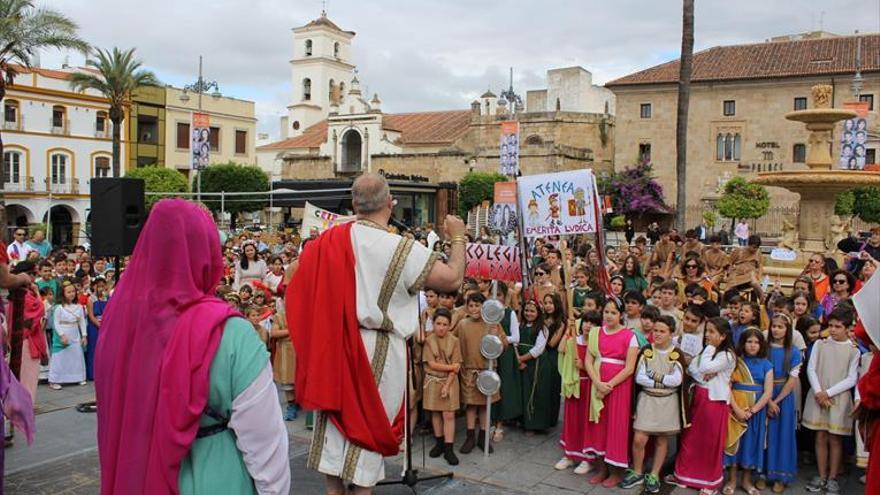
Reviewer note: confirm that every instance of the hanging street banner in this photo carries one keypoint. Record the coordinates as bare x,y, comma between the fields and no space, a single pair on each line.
854,139
200,143
505,193
493,262
509,149
314,217
558,204
502,218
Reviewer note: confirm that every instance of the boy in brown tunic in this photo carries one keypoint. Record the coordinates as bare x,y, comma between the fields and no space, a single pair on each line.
716,259
442,358
470,331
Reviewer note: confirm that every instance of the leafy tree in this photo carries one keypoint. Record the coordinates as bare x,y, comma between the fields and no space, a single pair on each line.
476,187
618,222
119,75
234,177
710,218
159,179
633,191
845,203
24,31
867,204
742,199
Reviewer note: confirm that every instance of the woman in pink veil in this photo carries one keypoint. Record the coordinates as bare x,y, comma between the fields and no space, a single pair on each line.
186,402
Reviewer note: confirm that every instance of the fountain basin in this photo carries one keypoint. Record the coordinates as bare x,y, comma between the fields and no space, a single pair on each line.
820,116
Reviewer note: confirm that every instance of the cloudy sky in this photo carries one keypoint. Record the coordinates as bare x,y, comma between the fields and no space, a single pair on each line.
434,54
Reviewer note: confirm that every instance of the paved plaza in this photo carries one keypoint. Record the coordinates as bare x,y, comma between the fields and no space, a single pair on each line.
64,460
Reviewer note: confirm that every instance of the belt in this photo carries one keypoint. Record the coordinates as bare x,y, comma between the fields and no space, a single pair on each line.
660,392
207,431
613,361
434,379
746,387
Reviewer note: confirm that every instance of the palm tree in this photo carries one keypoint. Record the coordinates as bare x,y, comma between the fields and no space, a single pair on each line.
684,96
117,75
24,31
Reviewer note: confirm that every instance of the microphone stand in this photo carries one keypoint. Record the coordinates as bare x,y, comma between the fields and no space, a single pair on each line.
410,477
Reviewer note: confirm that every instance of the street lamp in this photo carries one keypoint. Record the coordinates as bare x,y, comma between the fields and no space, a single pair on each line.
200,86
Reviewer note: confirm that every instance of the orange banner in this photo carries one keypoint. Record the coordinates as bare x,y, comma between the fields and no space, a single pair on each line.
859,107
505,192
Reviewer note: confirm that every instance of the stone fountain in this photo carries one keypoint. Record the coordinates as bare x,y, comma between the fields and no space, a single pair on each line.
818,229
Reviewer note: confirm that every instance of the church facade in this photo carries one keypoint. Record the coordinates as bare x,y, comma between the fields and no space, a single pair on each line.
333,132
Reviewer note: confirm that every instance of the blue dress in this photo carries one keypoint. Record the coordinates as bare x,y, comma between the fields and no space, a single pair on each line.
781,434
752,443
98,308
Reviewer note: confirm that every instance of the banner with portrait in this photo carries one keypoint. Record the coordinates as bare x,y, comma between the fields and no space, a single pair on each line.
509,149
200,141
562,203
314,217
493,262
854,139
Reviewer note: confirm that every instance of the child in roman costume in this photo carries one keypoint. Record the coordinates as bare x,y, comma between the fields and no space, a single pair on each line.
470,332
538,359
781,455
442,358
576,391
751,390
660,404
832,371
698,463
284,362
610,363
509,408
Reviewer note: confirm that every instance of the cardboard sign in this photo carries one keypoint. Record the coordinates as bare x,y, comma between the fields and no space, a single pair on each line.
492,262
558,204
782,254
314,217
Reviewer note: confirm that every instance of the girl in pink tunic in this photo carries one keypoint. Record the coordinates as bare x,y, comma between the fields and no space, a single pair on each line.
575,409
611,360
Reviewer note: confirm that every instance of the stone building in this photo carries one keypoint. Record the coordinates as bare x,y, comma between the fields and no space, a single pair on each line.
424,153
739,96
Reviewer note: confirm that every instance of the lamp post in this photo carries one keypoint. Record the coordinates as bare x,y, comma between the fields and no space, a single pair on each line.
199,87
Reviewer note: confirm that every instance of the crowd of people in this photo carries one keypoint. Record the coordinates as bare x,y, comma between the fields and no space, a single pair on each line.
651,351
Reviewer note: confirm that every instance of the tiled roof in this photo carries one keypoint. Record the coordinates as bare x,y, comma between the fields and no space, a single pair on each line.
415,128
806,57
325,21
312,137
54,74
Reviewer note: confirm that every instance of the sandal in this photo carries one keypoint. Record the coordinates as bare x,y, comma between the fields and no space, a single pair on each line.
708,491
752,490
599,478
498,436
729,489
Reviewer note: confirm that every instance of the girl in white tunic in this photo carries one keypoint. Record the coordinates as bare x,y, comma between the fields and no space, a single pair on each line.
67,363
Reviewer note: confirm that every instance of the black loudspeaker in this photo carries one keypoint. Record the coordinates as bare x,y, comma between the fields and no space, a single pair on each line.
117,215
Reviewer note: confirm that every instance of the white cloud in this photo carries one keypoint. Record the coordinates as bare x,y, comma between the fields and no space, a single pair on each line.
435,54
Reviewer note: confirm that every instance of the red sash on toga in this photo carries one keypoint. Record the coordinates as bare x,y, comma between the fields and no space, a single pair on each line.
333,371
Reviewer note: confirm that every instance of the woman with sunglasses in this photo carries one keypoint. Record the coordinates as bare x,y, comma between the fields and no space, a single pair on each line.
842,284
693,271
818,273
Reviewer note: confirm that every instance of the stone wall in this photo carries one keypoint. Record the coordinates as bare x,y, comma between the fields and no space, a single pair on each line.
560,141
767,138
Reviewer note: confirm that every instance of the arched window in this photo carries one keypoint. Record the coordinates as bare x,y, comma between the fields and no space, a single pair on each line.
341,90
331,91
728,147
336,49
351,151
102,166
11,167
737,146
307,89
308,48
719,147
59,168
59,119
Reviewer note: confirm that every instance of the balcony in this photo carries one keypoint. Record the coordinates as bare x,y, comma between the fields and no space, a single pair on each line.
17,125
62,185
103,134
23,184
61,127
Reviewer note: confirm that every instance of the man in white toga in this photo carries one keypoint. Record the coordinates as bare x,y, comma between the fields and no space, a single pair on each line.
352,302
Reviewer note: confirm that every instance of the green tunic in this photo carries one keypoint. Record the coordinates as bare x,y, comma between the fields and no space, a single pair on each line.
510,405
542,385
214,464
